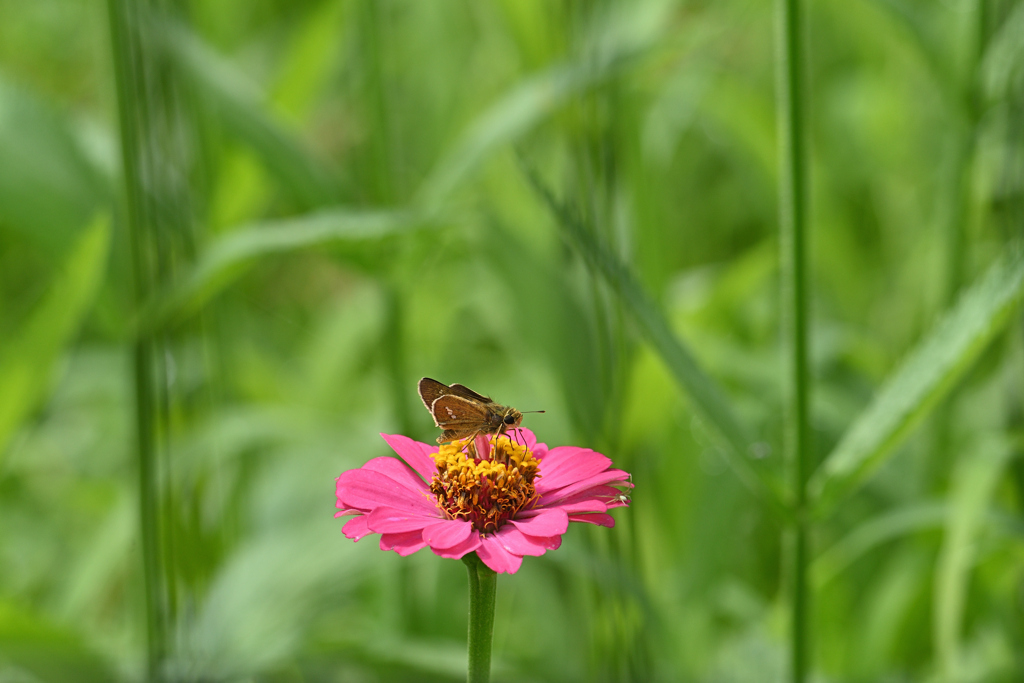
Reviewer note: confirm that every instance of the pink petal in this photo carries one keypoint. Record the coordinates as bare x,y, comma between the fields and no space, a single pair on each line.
415,453
608,493
389,520
597,480
355,528
404,544
365,490
456,552
576,507
550,522
601,519
497,558
447,534
593,499
603,494
397,470
518,543
569,464
483,446
342,508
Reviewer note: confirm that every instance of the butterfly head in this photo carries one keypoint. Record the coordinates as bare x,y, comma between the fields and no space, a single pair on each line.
511,418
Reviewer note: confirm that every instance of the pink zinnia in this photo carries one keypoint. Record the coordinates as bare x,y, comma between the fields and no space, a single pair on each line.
497,497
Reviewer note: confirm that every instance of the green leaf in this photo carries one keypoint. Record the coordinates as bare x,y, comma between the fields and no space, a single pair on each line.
240,106
230,256
27,361
706,397
926,376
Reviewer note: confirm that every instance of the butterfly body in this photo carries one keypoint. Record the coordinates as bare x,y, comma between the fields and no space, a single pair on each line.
461,412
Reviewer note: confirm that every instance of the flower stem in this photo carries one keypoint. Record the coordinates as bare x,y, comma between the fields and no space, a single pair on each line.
482,583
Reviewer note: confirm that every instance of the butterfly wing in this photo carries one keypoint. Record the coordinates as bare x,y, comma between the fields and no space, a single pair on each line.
458,413
455,434
457,409
431,390
465,392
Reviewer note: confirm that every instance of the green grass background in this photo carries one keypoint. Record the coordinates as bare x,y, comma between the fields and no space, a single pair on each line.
234,234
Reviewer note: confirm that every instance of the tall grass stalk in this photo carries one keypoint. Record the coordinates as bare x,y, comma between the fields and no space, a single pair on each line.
130,91
793,241
157,163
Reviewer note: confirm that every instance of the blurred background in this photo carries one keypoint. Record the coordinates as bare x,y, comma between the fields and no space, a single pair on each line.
234,234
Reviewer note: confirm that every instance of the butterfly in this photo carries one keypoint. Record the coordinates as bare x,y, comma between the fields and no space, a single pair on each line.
461,412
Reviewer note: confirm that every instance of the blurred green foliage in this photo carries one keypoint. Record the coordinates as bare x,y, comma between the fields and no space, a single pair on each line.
281,215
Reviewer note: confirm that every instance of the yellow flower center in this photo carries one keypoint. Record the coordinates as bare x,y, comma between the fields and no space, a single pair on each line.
485,491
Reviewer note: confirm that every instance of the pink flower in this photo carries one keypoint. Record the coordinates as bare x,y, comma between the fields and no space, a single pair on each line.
497,497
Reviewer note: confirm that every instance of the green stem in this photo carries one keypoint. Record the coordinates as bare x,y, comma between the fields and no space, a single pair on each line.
793,222
482,584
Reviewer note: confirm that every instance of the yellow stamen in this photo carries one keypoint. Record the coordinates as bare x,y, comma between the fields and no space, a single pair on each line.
485,491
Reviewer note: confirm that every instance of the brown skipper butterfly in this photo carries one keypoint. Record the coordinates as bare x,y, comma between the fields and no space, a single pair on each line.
461,412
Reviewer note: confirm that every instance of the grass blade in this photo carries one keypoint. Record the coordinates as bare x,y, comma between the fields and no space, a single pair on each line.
928,374
27,361
707,398
160,153
974,481
616,43
229,257
503,122
894,524
872,533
